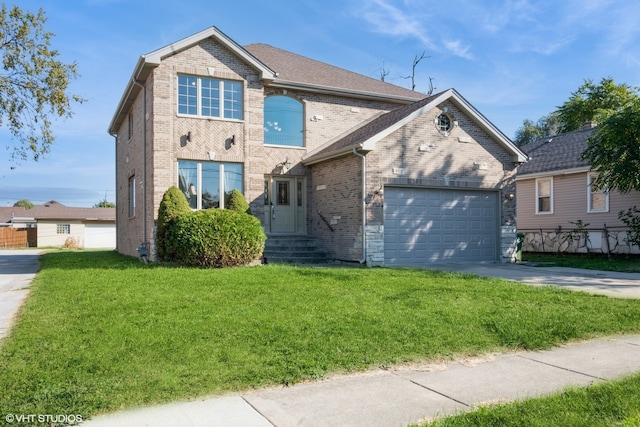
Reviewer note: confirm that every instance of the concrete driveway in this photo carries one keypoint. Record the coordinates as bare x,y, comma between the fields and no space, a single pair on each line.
614,284
17,270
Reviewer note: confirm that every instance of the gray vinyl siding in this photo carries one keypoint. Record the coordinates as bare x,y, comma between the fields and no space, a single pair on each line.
569,205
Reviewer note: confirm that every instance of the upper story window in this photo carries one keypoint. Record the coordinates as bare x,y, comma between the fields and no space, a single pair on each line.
207,97
597,200
283,121
544,195
130,125
203,182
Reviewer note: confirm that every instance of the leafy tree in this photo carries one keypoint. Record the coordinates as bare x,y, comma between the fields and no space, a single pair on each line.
613,150
33,82
530,131
24,203
104,204
594,102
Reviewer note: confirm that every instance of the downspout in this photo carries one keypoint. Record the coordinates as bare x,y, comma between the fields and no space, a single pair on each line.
145,242
115,136
364,205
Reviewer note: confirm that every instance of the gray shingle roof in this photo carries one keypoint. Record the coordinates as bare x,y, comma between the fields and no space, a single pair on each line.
55,211
554,153
373,127
299,69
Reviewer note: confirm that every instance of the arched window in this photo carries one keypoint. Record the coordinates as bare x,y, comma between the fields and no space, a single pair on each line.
283,121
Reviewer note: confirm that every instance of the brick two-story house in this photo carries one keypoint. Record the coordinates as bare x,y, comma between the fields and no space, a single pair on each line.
379,173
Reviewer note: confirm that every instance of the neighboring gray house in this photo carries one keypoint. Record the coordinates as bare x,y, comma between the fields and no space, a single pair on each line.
380,174
55,223
557,209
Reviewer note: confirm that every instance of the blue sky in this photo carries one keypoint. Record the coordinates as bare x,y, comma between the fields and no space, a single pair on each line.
512,59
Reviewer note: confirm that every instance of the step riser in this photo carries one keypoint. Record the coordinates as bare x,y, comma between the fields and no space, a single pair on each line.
296,250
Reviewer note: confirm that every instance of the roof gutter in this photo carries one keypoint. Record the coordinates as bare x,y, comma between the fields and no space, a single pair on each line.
309,87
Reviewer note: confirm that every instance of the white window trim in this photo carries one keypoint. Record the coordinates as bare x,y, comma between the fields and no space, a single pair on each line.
199,181
590,209
221,91
537,201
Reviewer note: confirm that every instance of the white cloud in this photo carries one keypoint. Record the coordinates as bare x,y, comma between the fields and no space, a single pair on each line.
387,19
456,47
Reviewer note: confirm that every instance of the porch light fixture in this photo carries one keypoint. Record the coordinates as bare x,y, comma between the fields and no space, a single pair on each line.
509,196
232,140
286,164
188,137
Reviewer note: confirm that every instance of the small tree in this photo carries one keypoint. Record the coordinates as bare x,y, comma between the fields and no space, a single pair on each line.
104,204
631,218
237,202
173,204
24,203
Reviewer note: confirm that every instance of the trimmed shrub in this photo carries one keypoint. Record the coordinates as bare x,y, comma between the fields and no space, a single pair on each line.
237,202
173,204
215,238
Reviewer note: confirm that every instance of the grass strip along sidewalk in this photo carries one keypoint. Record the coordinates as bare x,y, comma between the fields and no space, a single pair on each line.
614,403
103,332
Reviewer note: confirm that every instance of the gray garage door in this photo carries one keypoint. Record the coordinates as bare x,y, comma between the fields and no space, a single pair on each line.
432,225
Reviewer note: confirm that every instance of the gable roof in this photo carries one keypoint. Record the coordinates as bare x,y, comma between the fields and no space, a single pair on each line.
556,153
146,63
55,211
295,71
365,137
277,67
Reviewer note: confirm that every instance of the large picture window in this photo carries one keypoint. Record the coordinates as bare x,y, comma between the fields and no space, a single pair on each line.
544,195
206,97
597,200
203,183
283,121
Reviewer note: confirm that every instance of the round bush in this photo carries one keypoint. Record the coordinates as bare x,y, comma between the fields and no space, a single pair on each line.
215,238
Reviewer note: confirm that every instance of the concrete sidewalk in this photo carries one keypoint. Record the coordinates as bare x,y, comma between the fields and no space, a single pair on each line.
400,396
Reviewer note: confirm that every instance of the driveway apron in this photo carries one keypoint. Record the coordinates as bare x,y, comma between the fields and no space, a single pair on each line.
17,270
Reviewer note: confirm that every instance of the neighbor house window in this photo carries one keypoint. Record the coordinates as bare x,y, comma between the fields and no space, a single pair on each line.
206,97
203,183
283,121
63,228
132,196
597,200
544,195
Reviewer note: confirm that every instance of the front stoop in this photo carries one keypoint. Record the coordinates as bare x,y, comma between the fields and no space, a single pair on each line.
296,250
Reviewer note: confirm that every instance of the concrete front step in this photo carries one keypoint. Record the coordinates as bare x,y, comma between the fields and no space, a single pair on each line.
296,250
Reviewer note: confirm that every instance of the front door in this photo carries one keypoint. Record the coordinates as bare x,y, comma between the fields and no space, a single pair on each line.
283,205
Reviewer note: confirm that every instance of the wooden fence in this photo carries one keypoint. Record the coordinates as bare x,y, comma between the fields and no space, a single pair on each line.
18,237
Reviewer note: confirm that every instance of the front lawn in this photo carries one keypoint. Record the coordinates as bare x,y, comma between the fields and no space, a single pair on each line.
102,332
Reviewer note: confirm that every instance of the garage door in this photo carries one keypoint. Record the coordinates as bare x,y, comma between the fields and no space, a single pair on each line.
100,236
439,225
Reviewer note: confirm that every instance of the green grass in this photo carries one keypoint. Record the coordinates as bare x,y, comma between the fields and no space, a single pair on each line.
103,332
615,403
623,263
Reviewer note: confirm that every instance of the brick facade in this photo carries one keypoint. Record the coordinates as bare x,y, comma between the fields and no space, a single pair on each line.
415,154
